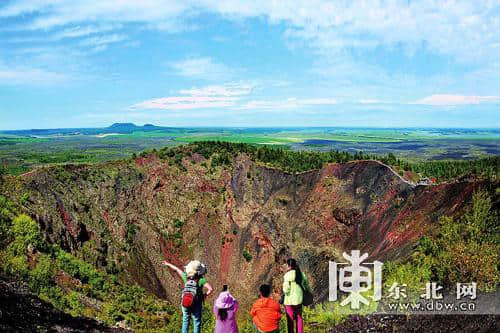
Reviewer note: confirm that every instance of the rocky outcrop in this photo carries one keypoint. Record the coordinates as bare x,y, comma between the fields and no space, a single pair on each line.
21,311
419,323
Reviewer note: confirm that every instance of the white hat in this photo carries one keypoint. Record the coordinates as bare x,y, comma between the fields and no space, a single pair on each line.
195,266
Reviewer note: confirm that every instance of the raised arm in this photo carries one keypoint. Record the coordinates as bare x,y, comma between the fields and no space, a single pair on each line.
209,289
173,267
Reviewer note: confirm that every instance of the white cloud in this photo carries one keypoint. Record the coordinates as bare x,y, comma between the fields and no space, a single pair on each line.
451,100
185,103
29,76
202,67
334,26
318,101
103,40
265,104
466,29
370,101
379,101
26,7
457,30
82,31
198,98
234,89
54,13
289,103
280,83
232,95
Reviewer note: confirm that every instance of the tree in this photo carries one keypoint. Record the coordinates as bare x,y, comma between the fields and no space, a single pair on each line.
26,234
464,250
3,171
5,220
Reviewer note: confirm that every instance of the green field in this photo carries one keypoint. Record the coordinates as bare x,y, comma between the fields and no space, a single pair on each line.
20,151
244,138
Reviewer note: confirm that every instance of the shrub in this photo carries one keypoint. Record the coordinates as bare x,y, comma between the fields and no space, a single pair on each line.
247,255
16,266
26,233
413,275
119,301
75,307
466,250
67,263
41,276
178,223
24,198
54,295
472,262
482,221
325,315
131,231
322,317
5,220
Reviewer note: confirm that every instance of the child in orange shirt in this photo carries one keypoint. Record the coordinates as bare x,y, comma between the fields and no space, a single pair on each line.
266,312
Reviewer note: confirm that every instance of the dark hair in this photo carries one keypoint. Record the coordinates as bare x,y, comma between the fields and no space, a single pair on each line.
223,314
265,290
298,274
224,287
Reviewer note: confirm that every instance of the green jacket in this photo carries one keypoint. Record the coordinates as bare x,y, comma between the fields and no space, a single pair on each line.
293,292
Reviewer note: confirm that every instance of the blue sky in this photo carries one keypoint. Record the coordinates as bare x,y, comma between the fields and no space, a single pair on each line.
249,63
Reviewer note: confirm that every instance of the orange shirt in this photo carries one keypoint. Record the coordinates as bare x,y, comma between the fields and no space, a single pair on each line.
266,313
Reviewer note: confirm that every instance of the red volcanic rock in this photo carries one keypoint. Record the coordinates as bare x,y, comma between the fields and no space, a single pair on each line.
140,214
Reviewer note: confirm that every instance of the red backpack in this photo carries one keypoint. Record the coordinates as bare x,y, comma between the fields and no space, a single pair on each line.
189,293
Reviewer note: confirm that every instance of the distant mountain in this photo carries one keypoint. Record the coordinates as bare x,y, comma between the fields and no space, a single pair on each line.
131,127
122,128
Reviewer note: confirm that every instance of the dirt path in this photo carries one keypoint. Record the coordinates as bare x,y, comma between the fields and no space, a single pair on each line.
29,173
397,174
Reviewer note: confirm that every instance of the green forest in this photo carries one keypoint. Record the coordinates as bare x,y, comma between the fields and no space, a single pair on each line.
222,153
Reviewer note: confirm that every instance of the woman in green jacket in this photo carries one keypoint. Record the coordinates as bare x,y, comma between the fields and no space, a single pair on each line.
293,288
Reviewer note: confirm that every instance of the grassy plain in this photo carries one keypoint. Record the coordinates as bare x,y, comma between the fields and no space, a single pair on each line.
20,151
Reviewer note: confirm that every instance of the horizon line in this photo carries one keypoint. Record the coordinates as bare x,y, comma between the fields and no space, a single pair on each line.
253,127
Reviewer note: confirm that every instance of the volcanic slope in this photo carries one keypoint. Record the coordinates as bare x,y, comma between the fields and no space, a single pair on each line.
242,219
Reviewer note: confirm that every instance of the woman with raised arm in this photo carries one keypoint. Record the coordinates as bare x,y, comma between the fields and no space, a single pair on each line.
193,293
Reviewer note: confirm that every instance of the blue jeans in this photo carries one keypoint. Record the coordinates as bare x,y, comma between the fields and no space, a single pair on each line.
193,312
